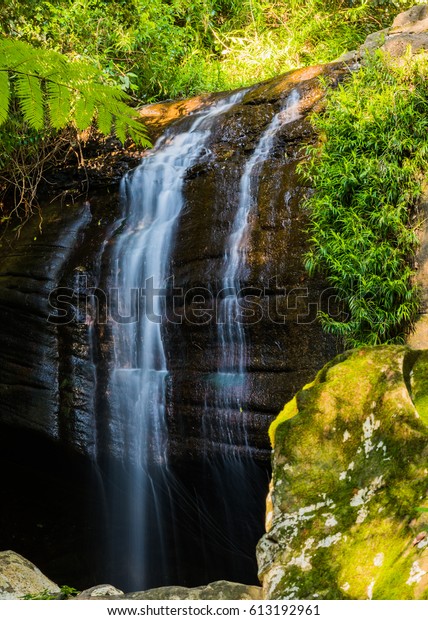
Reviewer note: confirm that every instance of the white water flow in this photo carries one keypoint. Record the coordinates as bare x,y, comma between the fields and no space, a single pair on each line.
231,375
153,196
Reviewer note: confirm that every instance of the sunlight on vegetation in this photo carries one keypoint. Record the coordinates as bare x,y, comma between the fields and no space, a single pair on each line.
43,83
158,49
368,173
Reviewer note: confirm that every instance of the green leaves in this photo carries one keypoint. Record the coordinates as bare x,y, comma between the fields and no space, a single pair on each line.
52,91
28,90
5,96
84,110
161,49
58,99
45,100
367,176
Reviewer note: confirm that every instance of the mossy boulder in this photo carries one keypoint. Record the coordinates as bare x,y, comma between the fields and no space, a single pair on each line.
346,516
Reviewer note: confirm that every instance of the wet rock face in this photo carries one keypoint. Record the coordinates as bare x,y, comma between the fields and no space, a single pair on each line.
49,384
31,267
349,482
47,379
54,377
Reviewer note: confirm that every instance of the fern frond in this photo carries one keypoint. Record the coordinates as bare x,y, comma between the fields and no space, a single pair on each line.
137,131
120,127
51,65
72,92
127,120
59,103
5,95
28,90
13,53
84,111
104,120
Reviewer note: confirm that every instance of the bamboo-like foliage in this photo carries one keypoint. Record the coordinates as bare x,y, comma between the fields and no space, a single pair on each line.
368,172
51,90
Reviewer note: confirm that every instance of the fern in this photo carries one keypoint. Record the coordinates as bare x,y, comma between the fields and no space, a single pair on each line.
4,96
59,104
28,90
52,90
45,99
84,110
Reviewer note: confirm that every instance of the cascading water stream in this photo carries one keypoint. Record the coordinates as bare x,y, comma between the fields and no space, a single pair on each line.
153,200
234,472
231,333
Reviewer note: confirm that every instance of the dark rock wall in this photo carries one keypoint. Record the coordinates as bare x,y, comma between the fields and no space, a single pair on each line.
48,372
31,267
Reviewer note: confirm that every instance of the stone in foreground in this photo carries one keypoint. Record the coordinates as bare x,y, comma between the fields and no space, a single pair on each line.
20,577
103,591
347,514
218,590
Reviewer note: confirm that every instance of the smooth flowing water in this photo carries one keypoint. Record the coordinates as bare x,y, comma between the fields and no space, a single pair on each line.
237,481
231,332
153,200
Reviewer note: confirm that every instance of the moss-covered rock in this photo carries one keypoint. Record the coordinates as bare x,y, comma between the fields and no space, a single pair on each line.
345,513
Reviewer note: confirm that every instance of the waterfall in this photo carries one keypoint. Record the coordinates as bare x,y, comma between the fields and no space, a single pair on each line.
231,333
233,471
153,200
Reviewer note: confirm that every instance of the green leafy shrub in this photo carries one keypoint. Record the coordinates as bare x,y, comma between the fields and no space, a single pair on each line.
157,49
151,50
367,173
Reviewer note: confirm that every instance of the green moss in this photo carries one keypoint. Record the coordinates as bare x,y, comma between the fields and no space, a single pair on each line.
290,410
419,385
349,472
374,556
